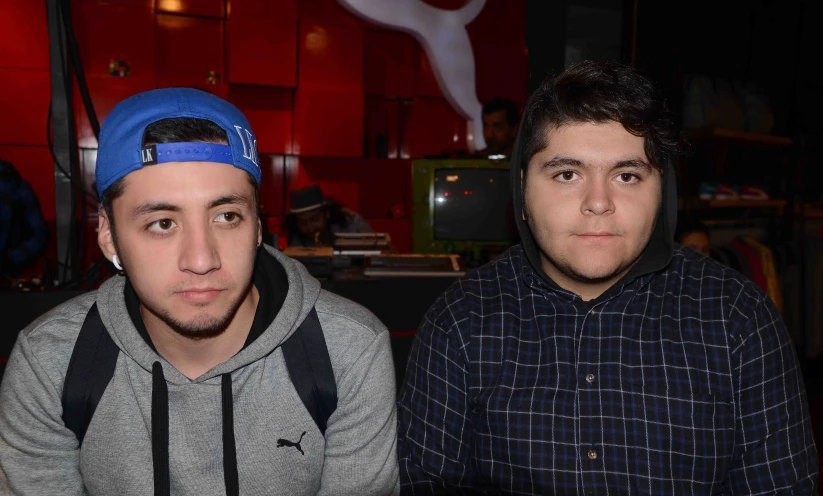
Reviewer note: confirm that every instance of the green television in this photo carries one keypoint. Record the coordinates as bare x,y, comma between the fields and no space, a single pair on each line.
462,206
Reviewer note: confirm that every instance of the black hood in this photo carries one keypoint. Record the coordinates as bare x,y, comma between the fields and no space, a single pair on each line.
655,257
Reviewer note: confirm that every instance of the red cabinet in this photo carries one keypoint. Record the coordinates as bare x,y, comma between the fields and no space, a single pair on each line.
425,82
269,111
389,64
145,4
276,8
381,125
328,123
330,54
109,33
262,49
433,126
24,35
189,52
204,8
24,100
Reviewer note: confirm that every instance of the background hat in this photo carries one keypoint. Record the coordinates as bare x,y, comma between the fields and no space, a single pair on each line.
121,149
303,200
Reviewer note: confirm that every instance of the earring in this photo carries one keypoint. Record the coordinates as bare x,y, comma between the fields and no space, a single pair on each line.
116,262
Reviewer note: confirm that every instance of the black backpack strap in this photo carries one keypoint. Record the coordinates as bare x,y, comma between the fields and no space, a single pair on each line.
309,365
90,369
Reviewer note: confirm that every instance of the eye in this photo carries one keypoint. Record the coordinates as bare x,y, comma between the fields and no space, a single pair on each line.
228,217
628,178
566,176
161,226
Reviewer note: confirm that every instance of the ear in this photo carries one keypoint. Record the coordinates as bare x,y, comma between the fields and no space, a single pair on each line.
259,231
104,235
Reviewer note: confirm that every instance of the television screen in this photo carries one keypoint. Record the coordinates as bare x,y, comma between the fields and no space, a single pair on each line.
472,204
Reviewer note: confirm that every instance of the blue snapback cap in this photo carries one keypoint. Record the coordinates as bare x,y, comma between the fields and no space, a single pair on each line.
121,149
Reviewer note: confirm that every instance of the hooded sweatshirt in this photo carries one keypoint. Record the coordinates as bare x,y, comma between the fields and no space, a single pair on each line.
678,379
40,456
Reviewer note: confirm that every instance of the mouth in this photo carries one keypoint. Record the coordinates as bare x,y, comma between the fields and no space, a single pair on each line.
199,295
597,236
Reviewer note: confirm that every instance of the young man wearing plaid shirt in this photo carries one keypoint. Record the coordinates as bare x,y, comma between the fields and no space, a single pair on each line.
599,357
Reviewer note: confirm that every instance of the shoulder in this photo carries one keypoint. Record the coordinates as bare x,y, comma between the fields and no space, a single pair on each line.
49,340
701,279
480,292
350,330
343,312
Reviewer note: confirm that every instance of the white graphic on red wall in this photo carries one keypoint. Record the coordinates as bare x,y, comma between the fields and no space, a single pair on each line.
443,35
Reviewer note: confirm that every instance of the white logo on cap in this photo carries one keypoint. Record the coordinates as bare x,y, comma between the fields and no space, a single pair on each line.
147,155
249,145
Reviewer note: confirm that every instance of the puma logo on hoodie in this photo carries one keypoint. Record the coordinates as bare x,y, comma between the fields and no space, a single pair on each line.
285,442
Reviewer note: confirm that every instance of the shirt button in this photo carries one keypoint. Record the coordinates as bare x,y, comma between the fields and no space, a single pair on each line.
590,378
592,454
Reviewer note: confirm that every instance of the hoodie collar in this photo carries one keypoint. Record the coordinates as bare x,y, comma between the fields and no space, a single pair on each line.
303,291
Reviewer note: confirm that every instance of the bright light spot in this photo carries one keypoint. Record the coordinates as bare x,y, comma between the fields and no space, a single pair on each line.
170,5
440,199
452,178
317,40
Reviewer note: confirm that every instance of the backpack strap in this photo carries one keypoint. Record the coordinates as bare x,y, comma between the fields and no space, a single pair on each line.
94,358
91,367
309,365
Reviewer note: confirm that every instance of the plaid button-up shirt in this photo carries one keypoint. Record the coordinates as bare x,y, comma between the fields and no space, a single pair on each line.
680,382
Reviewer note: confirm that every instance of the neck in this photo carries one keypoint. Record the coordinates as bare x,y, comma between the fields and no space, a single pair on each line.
195,357
587,291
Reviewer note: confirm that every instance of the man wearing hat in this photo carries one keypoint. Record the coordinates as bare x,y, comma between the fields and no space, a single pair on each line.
313,219
183,374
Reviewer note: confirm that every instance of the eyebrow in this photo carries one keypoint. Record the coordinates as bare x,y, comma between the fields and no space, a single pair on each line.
232,199
152,207
560,162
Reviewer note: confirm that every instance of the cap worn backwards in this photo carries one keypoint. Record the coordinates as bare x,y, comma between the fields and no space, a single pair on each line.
121,149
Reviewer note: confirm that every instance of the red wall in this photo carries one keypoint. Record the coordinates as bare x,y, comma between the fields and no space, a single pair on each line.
315,81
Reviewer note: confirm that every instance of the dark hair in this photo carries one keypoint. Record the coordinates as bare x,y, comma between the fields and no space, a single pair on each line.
598,92
173,130
498,104
688,226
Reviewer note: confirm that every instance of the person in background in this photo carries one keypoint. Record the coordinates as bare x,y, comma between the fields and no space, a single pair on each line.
24,235
695,235
313,220
599,356
500,125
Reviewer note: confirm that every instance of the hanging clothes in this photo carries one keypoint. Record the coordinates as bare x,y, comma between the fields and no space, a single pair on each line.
769,271
753,257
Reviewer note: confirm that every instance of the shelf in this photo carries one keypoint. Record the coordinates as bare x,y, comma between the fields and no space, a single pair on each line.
694,202
718,133
744,203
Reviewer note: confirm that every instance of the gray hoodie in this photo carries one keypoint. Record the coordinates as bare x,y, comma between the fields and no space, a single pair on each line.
39,455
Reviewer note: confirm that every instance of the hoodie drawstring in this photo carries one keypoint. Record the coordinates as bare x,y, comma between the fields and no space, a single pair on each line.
160,434
229,450
160,430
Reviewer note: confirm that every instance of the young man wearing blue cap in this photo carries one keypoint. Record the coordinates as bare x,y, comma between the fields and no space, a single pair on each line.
214,379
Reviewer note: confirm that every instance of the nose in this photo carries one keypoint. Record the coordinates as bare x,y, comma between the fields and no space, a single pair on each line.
597,199
199,251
